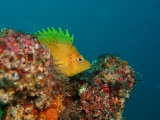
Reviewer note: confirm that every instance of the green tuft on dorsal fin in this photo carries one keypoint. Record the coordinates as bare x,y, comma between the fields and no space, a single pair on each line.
51,35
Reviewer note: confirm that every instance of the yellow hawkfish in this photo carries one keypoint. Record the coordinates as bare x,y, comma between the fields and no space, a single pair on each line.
66,55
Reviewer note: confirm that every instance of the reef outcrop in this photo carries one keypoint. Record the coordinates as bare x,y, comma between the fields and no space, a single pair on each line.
33,88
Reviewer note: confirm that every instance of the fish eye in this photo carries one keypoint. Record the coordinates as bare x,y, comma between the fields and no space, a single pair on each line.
80,59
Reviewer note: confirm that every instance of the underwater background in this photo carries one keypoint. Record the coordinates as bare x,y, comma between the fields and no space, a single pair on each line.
127,28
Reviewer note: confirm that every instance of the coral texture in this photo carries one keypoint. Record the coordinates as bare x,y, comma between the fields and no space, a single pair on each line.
29,81
33,88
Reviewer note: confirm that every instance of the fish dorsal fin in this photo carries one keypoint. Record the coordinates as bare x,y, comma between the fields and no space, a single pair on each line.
51,36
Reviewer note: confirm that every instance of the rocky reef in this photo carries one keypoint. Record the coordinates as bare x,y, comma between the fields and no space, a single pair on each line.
33,88
29,81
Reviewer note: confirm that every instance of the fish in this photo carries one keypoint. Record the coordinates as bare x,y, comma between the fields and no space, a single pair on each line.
65,54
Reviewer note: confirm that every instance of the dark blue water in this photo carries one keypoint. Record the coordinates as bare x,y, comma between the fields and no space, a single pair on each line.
128,28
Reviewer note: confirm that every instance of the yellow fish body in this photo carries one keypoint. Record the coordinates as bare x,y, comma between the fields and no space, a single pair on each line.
66,55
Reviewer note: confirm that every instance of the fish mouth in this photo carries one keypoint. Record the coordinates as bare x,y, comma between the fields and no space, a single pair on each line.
87,66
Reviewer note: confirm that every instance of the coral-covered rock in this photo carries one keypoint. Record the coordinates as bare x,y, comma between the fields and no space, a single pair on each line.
30,112
33,88
27,74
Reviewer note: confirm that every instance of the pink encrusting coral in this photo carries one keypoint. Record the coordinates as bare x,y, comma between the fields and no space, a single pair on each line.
103,97
28,76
